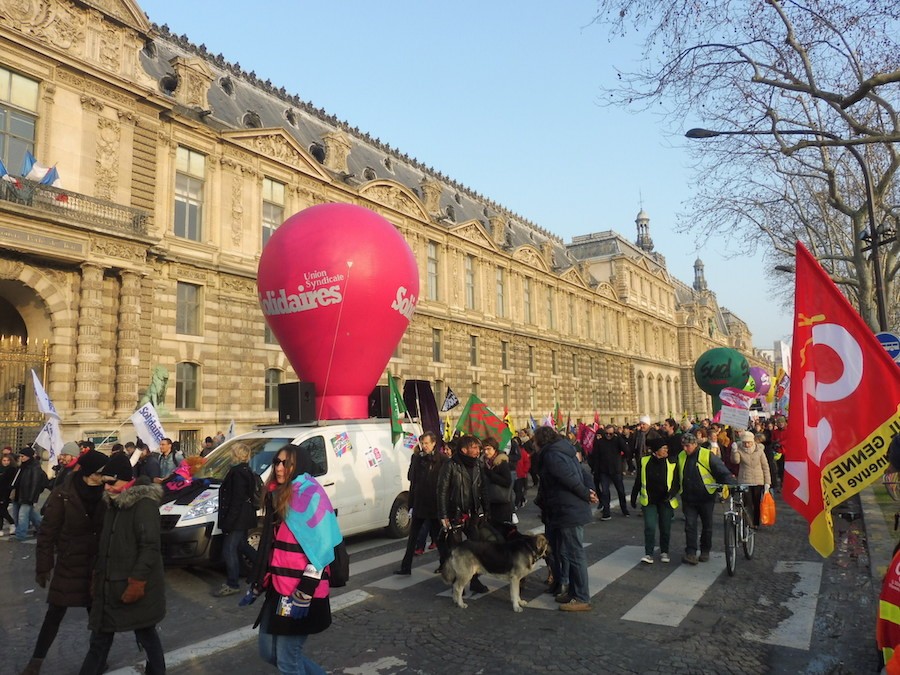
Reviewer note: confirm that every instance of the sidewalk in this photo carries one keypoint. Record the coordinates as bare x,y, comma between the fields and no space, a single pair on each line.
880,538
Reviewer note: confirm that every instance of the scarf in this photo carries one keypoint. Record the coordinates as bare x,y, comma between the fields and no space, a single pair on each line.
311,519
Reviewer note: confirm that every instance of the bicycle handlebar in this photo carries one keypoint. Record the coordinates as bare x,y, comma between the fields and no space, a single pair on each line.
743,487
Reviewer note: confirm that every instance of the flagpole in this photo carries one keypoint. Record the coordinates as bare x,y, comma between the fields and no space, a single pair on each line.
114,432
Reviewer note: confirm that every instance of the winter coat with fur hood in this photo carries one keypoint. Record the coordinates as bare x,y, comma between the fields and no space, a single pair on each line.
67,541
753,467
129,549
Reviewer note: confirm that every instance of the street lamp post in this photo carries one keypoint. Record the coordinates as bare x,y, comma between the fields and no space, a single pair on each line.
870,196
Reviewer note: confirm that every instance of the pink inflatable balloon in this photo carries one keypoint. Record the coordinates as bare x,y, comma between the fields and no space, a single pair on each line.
761,379
338,285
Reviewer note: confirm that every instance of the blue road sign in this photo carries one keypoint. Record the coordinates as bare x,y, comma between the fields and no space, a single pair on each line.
891,344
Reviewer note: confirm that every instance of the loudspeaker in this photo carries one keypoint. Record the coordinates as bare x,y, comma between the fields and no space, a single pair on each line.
380,401
296,402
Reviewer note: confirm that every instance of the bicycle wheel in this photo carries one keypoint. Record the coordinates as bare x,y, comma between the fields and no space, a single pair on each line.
749,538
730,543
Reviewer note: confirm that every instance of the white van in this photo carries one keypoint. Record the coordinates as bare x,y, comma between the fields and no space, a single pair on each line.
364,474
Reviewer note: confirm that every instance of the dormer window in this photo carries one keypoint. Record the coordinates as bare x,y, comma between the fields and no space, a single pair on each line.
291,117
251,120
227,85
369,173
317,150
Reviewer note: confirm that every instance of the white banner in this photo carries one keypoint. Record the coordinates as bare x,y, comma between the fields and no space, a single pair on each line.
147,426
735,417
45,405
50,438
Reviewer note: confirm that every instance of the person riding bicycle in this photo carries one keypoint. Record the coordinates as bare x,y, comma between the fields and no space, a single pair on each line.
699,470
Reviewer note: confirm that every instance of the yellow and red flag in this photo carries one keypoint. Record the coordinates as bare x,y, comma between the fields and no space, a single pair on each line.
845,403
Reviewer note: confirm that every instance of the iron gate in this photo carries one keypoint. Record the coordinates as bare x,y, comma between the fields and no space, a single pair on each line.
20,419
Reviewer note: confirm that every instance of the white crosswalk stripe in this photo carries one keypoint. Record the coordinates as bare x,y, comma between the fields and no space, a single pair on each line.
672,599
668,603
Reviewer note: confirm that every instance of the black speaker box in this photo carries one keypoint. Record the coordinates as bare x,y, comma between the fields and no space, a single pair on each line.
380,401
296,402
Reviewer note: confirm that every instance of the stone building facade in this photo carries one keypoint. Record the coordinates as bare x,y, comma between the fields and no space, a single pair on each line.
176,166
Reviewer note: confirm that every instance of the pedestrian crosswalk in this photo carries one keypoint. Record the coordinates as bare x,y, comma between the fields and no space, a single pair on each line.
667,602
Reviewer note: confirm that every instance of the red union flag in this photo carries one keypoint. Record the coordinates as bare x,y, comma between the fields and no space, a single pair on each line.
845,403
479,421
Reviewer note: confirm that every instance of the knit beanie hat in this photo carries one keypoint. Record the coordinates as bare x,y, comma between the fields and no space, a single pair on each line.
119,468
92,462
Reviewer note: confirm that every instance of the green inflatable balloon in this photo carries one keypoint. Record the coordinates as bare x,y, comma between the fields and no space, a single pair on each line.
719,368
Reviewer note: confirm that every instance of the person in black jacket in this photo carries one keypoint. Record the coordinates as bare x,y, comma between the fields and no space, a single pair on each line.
237,515
28,485
8,471
657,483
424,469
67,547
462,499
606,465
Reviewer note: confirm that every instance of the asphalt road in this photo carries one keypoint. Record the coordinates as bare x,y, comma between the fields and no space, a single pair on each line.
785,611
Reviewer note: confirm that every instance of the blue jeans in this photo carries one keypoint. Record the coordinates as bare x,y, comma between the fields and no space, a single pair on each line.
285,652
571,555
235,545
23,513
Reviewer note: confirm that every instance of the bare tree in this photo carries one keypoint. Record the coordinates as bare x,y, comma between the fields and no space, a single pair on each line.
829,67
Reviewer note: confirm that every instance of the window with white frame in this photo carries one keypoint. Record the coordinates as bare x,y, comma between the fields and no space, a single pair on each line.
187,382
526,297
501,293
190,175
18,118
432,271
187,309
272,207
469,271
273,379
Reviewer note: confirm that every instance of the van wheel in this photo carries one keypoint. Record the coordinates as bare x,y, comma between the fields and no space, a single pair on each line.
398,525
254,536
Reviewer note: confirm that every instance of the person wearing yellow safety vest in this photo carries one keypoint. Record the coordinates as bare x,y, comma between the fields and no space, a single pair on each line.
698,470
657,483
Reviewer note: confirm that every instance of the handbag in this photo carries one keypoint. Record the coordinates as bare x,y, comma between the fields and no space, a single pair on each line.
767,509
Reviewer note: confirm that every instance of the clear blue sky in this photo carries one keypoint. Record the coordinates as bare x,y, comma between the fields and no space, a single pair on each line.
502,97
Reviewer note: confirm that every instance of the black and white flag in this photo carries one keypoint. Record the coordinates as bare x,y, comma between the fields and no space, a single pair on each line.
451,400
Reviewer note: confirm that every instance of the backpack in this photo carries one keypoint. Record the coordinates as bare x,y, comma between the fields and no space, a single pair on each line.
339,570
257,490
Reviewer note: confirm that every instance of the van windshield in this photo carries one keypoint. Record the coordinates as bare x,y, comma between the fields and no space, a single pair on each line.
262,451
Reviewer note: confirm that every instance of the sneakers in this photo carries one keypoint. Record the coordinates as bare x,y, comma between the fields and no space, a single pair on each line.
704,557
664,557
477,587
576,606
403,572
432,546
225,590
606,516
419,551
648,560
689,558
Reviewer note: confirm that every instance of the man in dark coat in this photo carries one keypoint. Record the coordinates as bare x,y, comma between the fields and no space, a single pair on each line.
67,547
148,464
424,469
606,465
462,499
28,485
566,500
237,515
128,583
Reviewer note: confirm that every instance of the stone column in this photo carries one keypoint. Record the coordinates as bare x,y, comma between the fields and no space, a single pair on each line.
87,358
128,343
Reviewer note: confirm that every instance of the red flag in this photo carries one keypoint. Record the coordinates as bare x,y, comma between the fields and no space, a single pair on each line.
845,403
478,420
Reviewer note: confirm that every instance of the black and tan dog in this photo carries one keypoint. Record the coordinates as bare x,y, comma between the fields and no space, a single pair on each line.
512,560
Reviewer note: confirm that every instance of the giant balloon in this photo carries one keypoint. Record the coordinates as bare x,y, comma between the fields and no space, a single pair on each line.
338,286
719,368
761,380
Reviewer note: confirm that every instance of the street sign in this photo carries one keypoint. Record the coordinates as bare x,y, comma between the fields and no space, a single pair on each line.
891,344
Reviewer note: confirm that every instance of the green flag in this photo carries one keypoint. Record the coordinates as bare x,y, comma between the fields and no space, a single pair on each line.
478,420
398,408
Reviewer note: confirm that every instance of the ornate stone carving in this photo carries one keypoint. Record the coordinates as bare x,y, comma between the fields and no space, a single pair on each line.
237,209
91,103
194,80
184,272
239,285
118,249
431,191
393,197
10,269
107,165
276,147
530,257
58,278
110,48
475,234
57,23
337,148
